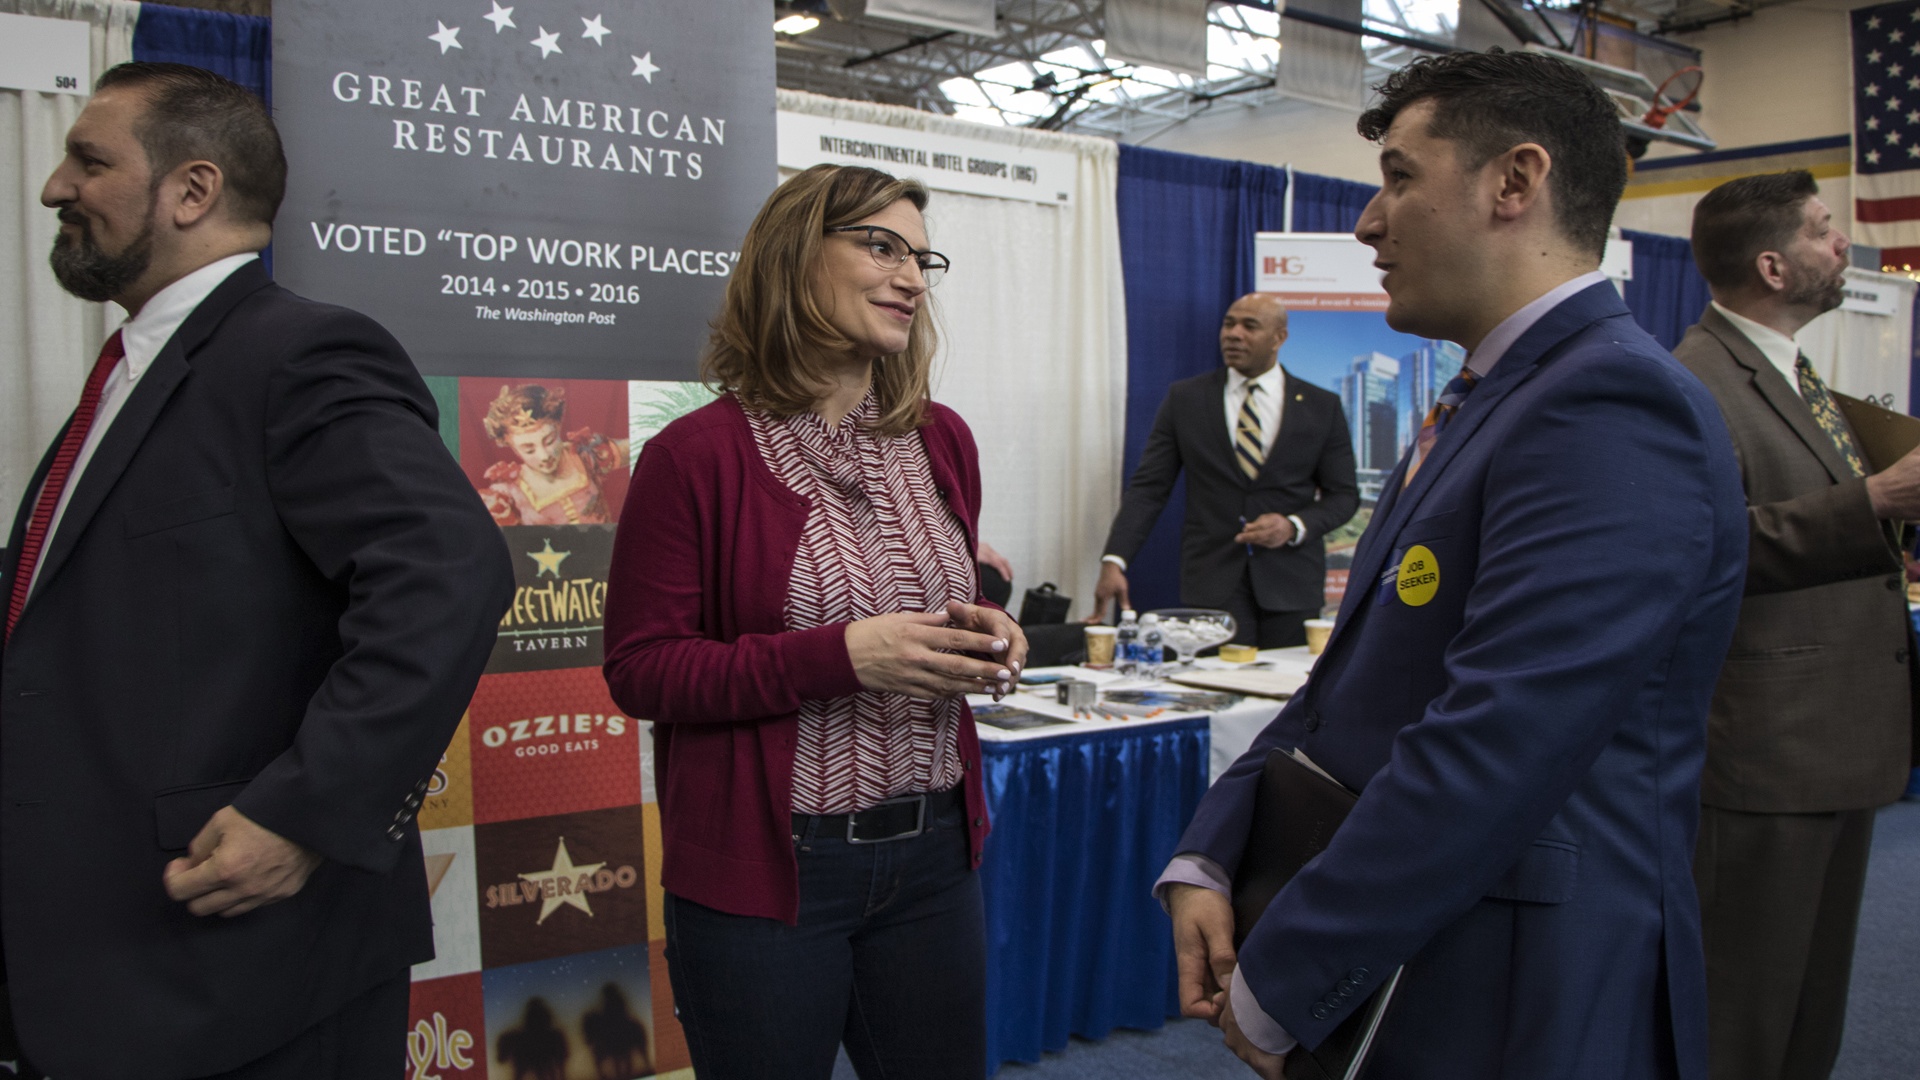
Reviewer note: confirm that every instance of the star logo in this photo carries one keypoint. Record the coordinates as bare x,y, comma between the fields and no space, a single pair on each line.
447,38
547,43
597,30
500,17
548,559
566,878
645,67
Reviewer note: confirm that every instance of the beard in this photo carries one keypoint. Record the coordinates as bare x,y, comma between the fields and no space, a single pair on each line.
1809,289
88,272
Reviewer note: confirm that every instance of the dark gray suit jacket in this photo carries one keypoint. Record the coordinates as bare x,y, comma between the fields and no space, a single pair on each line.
272,588
1814,710
1308,473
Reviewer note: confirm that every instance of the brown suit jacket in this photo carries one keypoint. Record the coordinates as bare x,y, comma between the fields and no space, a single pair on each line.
1814,710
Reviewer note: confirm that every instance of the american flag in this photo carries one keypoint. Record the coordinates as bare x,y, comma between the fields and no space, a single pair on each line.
1886,131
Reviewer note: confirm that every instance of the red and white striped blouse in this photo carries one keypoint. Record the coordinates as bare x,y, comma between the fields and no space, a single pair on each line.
879,539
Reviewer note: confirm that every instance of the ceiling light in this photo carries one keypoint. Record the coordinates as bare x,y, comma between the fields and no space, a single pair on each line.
795,24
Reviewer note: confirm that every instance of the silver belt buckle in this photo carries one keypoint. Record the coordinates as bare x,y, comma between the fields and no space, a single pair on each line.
919,821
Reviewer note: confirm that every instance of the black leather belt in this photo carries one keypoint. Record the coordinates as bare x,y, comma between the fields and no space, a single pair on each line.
895,819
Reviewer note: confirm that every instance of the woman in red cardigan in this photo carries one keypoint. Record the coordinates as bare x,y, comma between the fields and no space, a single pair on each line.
794,602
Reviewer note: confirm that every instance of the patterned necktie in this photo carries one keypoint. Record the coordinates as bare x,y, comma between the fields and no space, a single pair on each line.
1827,414
1247,451
57,476
1444,407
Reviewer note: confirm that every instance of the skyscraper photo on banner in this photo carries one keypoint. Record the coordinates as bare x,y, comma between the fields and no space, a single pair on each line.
542,200
1338,338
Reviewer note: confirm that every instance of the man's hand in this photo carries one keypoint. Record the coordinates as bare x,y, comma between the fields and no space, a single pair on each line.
1202,947
1267,1066
234,866
918,655
989,557
1111,586
1895,490
1267,530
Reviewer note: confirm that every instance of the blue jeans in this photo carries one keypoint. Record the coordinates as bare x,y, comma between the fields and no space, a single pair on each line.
888,956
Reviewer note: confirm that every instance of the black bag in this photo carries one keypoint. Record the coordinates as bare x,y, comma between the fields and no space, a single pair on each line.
1044,605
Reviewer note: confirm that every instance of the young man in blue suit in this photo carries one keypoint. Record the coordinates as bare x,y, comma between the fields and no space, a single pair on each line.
1519,680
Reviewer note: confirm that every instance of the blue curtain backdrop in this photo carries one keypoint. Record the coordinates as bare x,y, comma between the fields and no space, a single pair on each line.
1325,204
1667,293
1186,252
237,46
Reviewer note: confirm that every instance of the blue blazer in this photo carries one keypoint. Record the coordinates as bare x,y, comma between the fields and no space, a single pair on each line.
1527,734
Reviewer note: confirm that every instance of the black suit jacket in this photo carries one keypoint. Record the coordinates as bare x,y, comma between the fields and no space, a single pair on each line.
274,588
1308,473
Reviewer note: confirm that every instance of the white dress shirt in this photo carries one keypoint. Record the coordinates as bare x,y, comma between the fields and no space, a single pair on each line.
143,336
1192,869
1779,349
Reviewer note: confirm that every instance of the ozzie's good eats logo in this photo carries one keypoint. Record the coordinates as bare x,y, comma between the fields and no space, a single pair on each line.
550,742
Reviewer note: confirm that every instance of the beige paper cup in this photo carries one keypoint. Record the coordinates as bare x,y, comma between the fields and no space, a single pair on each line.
1318,631
1100,642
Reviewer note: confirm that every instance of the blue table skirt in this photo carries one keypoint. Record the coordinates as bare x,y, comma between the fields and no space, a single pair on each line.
1082,826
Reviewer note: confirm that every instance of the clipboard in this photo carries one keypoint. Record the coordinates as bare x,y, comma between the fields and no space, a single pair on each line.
1885,436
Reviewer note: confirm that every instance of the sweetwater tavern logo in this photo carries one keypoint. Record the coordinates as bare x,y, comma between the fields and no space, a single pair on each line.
559,598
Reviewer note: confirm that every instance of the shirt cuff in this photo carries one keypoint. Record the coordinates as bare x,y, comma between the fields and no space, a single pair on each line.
1259,1028
1115,560
1192,869
1299,531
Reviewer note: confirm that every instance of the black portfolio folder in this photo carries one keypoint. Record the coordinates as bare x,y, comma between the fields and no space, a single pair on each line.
1296,809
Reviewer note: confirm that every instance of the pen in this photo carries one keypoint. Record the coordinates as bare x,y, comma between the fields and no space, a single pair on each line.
1243,528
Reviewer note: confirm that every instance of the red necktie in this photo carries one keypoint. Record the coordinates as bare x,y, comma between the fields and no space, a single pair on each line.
57,475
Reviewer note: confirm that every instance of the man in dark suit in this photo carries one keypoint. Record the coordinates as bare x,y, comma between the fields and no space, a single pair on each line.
1812,722
1269,467
250,594
1518,682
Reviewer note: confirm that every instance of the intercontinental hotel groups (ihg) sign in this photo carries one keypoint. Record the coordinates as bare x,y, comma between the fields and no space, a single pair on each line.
565,181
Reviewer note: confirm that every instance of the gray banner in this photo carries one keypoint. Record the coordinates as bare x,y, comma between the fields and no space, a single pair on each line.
558,187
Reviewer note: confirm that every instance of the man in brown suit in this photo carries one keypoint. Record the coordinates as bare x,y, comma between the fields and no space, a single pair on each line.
1812,721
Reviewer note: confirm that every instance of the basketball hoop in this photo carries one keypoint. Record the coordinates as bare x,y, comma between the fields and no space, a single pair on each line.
1657,116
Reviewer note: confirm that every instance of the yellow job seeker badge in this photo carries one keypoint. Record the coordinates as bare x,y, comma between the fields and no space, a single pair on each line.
1419,576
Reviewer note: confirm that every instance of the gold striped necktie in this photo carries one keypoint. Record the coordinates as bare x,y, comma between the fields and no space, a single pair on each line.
1247,451
1827,414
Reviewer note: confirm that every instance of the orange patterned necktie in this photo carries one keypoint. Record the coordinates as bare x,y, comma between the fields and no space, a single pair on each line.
1444,407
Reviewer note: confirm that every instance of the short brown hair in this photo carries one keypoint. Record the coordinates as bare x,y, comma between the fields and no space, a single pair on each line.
770,337
193,114
1488,103
1735,222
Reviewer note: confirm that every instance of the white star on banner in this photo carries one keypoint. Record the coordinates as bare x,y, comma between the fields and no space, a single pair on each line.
1893,103
1873,157
1895,70
1872,90
1914,150
1916,49
1914,83
1873,123
1893,138
597,30
1873,23
645,67
1873,57
547,43
500,17
1897,37
447,38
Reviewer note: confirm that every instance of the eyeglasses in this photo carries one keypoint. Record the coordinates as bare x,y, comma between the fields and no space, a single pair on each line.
891,251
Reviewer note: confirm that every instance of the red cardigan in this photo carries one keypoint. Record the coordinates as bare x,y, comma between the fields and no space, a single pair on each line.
695,642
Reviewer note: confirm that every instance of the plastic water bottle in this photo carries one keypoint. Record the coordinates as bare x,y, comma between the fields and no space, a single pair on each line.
1126,646
1151,640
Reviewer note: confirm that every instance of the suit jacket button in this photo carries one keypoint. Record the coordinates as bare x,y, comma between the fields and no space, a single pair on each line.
1893,584
1343,987
1313,721
979,822
396,833
1321,1012
1358,975
1900,657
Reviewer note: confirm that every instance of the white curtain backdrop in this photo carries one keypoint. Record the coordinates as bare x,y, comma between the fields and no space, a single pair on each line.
1033,347
47,338
1867,356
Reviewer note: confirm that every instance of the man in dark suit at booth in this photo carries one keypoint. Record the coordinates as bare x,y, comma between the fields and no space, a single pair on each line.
1812,723
249,596
1269,466
1518,682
